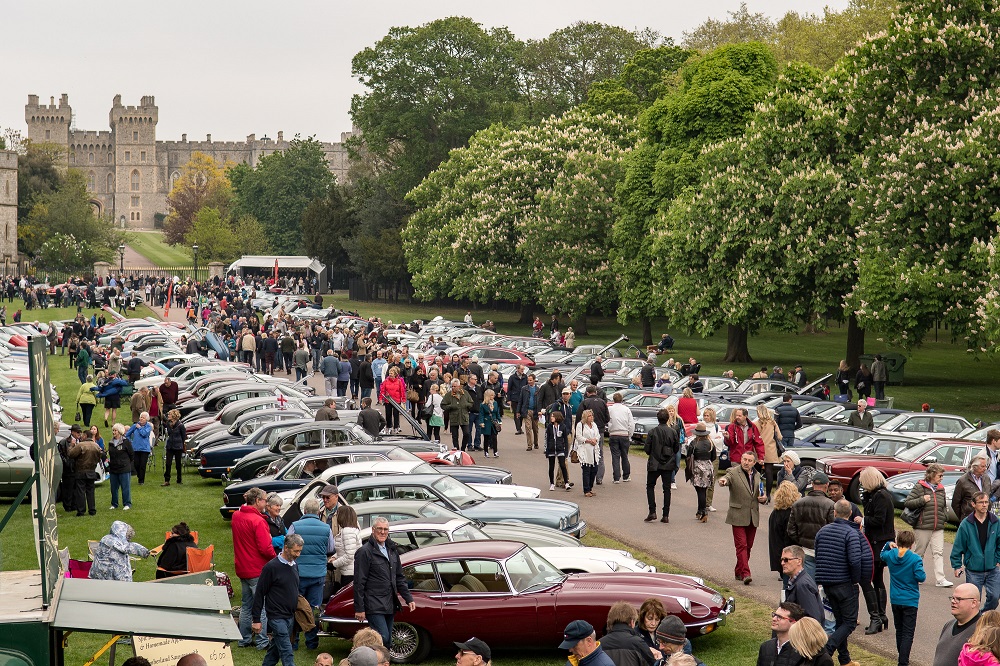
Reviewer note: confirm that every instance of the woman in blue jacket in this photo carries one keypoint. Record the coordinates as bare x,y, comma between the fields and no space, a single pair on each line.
140,434
490,415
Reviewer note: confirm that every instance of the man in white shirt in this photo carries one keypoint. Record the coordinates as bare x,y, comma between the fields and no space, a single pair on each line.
620,428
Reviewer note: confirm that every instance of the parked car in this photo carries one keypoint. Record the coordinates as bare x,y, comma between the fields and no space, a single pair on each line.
901,485
505,593
926,424
825,436
16,467
873,444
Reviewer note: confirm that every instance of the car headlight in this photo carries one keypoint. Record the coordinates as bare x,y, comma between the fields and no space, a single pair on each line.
905,485
640,428
685,603
563,524
612,565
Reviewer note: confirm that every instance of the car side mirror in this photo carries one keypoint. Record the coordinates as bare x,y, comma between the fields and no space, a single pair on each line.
928,460
903,428
819,440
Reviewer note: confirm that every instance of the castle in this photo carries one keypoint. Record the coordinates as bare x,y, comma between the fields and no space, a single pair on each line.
128,171
8,210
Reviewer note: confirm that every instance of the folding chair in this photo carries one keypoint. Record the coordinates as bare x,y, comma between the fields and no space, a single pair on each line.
201,559
78,569
92,548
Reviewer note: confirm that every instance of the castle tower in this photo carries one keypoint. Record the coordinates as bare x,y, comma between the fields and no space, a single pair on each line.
48,123
8,211
138,190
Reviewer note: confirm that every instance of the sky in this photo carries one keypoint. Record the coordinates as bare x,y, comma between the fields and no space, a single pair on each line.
232,68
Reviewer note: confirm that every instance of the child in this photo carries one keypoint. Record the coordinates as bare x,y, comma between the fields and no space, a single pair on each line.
984,645
906,571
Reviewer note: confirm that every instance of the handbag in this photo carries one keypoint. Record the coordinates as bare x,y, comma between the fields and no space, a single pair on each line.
412,395
497,426
574,457
78,415
427,411
911,516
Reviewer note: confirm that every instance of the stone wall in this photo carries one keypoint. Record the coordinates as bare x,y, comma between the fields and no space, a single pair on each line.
8,210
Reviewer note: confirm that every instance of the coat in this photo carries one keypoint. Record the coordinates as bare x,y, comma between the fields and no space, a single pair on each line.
966,551
590,454
457,407
788,419
965,488
768,655
843,555
490,417
880,516
859,420
377,580
111,555
394,388
626,647
770,435
348,542
514,386
777,536
744,509
808,516
661,445
932,514
252,547
740,444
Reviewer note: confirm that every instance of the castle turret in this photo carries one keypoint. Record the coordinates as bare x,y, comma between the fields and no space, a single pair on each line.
138,186
48,123
8,210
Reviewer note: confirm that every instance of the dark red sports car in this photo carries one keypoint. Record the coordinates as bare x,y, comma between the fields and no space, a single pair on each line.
504,593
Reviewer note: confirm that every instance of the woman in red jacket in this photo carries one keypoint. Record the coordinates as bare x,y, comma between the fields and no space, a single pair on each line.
687,407
395,387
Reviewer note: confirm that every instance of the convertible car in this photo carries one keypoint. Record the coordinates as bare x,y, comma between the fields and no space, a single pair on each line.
504,592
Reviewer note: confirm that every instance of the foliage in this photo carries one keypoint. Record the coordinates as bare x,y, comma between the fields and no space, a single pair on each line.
213,236
644,78
202,184
278,190
741,27
325,224
507,201
38,175
63,234
251,236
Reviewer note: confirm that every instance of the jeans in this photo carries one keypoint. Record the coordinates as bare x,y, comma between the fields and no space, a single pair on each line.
589,476
620,467
383,625
331,385
600,461
280,646
342,387
664,477
561,461
248,586
904,618
300,373
880,395
121,480
843,599
173,455
677,467
312,590
391,416
477,439
990,580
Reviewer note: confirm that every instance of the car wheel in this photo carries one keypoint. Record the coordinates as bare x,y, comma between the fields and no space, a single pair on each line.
854,490
410,644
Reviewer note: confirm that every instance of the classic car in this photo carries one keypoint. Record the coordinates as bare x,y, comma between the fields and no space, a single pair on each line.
422,532
496,355
825,436
16,467
455,495
901,485
397,510
504,590
873,444
246,424
953,454
930,424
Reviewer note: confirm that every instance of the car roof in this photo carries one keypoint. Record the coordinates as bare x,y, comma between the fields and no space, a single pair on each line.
397,479
371,466
426,524
464,549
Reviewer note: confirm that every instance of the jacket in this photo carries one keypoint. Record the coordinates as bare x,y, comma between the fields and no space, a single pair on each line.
366,377
112,552
970,656
590,454
318,546
488,417
601,414
85,396
808,516
770,435
768,655
173,557
371,420
842,555
788,418
879,371
965,488
622,421
348,541
796,477
932,516
803,591
395,389
457,407
139,435
377,580
514,385
739,443
524,403
596,658
966,551
176,434
556,440
113,387
661,445
120,456
687,409
548,394
86,454
744,509
596,373
330,366
625,647
251,542
859,420
880,514
906,572
777,536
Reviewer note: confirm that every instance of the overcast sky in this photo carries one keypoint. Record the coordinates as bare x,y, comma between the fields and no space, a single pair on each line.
231,68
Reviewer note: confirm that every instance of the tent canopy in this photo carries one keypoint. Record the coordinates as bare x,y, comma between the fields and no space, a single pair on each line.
267,263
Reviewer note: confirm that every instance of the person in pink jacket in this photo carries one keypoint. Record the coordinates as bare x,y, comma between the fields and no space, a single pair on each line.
394,386
252,549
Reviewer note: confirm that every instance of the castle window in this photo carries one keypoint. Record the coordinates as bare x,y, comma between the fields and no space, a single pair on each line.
173,179
135,202
138,215
6,232
90,158
128,155
72,158
135,136
6,186
131,216
135,180
48,134
142,156
91,182
111,183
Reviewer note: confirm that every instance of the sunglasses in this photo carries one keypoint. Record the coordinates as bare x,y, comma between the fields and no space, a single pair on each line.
780,617
789,559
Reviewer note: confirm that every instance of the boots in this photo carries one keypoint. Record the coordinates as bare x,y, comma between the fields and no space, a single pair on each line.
881,607
871,601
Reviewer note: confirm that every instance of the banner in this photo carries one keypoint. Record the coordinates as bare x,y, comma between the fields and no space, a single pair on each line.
48,465
161,651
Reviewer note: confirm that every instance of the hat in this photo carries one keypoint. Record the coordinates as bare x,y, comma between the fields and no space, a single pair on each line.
575,632
567,390
701,430
329,490
75,428
794,457
820,478
671,630
363,656
477,646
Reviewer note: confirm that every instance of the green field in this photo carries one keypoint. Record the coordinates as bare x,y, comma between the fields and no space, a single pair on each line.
151,245
939,373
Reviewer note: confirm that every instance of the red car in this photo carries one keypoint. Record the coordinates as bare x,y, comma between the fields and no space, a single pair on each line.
490,355
504,593
953,454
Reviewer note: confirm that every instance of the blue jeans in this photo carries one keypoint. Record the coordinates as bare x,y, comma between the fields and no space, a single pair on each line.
281,642
383,625
677,467
990,580
299,374
247,588
589,477
312,590
123,481
843,599
477,439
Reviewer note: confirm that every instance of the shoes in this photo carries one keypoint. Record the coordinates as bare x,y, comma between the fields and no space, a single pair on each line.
673,486
944,583
496,455
600,483
518,432
588,494
165,483
113,508
748,580
569,487
874,626
105,423
570,484
127,507
739,578
536,446
664,520
711,509
552,486
626,480
650,518
704,518
616,481
180,482
528,449
80,514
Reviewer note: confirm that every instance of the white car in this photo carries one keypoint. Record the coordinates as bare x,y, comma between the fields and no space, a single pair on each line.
925,424
412,534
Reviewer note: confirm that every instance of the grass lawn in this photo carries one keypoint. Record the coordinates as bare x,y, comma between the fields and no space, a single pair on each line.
939,373
151,245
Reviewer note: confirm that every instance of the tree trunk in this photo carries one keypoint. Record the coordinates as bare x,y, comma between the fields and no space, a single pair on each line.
855,343
580,325
736,346
527,314
647,332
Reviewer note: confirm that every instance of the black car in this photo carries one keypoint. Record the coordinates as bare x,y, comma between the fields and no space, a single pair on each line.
215,462
827,436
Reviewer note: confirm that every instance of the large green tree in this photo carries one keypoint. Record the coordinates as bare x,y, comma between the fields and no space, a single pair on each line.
278,190
213,235
202,184
645,78
326,223
38,174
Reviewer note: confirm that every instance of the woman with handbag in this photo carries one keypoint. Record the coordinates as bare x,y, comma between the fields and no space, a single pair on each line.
394,387
927,498
708,417
587,440
415,391
86,400
843,380
863,382
436,418
879,529
490,414
770,434
556,448
701,455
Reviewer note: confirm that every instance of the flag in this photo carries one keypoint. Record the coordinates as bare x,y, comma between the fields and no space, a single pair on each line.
170,296
275,270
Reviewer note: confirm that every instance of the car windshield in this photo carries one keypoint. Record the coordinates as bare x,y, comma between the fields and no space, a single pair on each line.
895,422
23,441
459,493
469,532
363,437
858,445
917,452
434,510
807,431
527,569
402,455
423,468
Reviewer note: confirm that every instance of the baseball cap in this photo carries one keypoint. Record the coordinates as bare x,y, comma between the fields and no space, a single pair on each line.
477,646
575,632
671,630
567,390
821,478
363,656
329,490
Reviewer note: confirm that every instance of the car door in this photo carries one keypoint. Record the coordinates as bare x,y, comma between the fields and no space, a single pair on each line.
375,491
889,447
478,601
949,454
917,423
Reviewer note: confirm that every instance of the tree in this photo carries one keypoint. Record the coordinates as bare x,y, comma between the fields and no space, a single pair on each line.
714,99
213,236
644,78
740,28
251,236
280,188
326,222
38,175
202,184
62,233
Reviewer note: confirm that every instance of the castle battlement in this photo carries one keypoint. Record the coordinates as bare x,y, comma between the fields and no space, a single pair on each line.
90,135
51,107
8,159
